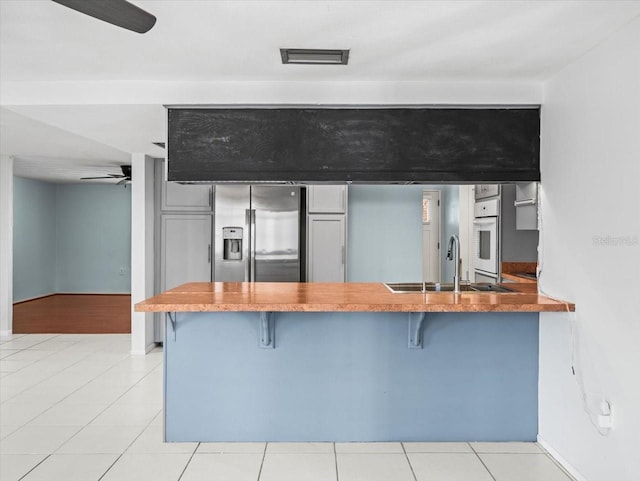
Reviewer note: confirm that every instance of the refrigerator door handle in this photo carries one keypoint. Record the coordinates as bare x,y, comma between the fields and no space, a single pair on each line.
247,249
252,255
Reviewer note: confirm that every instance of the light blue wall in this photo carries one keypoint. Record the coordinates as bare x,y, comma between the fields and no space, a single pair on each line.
347,376
93,238
385,231
70,238
34,238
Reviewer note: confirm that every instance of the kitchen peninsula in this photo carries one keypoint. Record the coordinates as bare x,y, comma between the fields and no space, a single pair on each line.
349,362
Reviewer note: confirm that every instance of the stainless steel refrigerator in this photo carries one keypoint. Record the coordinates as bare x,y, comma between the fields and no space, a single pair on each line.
258,233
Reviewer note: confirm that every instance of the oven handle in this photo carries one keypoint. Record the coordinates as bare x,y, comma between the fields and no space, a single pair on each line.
485,220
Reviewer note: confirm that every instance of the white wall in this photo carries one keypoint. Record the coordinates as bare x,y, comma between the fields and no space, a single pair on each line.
142,252
6,247
590,163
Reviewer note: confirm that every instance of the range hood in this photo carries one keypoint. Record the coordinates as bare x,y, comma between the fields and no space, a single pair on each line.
354,145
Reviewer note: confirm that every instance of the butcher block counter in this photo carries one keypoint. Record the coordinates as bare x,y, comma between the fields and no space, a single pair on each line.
255,362
342,297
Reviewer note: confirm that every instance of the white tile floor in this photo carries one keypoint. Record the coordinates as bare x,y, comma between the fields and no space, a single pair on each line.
79,407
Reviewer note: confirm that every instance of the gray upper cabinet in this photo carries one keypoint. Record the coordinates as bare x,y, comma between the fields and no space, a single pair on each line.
526,205
327,248
187,197
327,199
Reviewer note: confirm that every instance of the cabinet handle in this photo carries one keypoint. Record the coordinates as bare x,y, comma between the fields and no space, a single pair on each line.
342,255
209,253
520,203
210,196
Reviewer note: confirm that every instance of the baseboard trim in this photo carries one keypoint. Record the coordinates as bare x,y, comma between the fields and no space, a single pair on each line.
6,335
560,460
93,293
147,349
22,301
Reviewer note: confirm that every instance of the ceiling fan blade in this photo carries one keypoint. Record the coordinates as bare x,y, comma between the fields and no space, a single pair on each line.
116,12
124,181
91,178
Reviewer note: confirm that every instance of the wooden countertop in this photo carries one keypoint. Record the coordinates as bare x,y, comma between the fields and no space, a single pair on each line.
516,277
516,271
332,297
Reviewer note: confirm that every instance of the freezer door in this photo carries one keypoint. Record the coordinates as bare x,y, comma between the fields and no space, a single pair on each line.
232,204
275,234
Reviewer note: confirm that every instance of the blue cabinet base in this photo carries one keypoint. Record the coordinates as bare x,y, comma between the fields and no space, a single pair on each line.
344,376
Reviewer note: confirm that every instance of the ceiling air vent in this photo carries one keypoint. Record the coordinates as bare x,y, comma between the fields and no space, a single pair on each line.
314,56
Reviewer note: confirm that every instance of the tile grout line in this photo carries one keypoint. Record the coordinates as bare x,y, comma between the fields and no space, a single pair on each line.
560,466
335,459
264,455
404,450
481,461
188,462
31,470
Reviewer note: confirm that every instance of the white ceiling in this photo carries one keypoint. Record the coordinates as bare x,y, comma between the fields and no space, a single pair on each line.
79,92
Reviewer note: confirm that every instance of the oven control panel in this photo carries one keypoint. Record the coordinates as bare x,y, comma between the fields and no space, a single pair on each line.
487,208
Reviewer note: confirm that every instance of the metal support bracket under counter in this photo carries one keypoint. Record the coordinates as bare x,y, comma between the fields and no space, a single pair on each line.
267,330
416,321
173,318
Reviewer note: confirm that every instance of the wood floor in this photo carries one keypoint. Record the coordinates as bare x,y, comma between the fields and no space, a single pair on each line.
74,314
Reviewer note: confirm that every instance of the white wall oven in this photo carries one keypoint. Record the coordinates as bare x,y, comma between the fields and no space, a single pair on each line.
486,262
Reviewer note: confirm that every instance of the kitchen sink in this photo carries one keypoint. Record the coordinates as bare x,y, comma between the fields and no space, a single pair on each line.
409,287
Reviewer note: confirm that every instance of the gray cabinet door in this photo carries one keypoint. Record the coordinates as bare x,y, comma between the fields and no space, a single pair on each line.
185,250
327,199
186,197
327,248
185,254
526,205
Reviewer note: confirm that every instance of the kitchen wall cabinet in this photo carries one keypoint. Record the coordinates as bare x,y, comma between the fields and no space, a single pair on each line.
186,197
327,248
185,252
327,199
185,255
184,236
527,206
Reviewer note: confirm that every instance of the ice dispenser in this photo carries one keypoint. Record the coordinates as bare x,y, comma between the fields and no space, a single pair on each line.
232,240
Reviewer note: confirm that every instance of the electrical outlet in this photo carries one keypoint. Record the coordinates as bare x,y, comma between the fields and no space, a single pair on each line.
605,420
122,271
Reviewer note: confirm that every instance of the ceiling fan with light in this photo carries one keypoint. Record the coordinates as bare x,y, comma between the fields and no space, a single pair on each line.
125,177
116,12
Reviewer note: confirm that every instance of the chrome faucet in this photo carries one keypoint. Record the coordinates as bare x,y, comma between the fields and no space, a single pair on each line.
455,242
